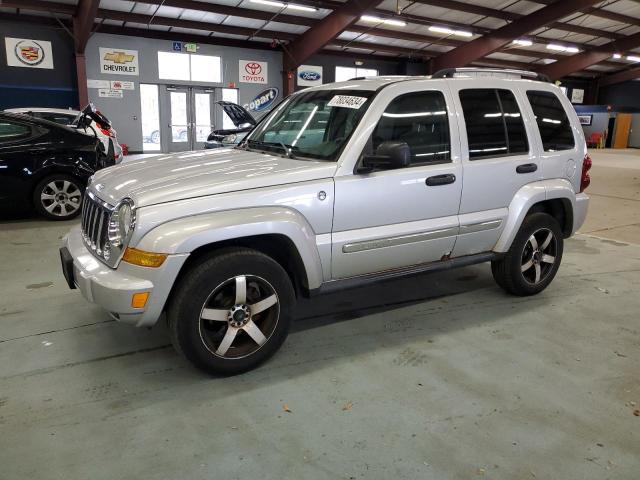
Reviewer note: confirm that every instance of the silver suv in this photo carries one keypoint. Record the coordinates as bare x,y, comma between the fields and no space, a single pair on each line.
339,186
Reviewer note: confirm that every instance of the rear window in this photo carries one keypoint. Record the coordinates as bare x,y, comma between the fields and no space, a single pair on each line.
13,131
553,123
494,123
59,118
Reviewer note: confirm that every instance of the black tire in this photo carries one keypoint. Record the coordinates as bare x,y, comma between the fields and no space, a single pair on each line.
52,209
205,284
509,271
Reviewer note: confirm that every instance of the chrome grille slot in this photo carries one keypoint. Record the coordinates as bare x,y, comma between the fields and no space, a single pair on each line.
95,222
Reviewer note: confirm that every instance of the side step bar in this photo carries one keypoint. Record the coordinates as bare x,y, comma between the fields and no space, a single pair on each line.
368,279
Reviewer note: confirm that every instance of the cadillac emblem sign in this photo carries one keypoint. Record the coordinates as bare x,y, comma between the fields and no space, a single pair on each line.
29,52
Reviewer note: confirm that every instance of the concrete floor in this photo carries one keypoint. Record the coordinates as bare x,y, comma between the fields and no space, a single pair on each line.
439,377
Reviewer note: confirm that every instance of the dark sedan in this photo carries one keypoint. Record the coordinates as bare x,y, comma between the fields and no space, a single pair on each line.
45,165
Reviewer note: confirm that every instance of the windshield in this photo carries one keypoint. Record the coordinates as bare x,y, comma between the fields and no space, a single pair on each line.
315,124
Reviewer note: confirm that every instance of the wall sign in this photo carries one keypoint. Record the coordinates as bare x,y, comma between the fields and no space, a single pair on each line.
577,95
118,61
309,75
98,83
252,71
263,100
108,93
191,47
121,85
22,52
177,46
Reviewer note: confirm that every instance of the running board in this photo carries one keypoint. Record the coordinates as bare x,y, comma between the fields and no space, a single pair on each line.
363,280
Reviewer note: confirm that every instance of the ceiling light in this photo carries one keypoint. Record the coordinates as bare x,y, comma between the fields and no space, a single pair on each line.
304,8
523,42
562,48
387,21
633,58
450,31
270,3
617,55
273,3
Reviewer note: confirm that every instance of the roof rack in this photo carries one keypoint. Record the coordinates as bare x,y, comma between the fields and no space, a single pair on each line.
450,72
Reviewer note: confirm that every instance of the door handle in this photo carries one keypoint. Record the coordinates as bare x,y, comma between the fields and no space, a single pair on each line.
526,168
436,180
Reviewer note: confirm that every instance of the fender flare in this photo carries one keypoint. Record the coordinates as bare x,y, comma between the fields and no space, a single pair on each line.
186,234
524,199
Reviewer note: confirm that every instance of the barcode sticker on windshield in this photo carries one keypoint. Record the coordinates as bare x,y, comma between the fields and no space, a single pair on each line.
346,101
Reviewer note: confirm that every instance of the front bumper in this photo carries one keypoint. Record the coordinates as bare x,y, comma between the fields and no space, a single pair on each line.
113,289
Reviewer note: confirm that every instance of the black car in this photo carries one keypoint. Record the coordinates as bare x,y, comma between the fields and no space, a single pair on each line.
242,120
46,165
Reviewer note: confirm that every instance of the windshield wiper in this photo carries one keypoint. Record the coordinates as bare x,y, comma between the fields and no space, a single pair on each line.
288,149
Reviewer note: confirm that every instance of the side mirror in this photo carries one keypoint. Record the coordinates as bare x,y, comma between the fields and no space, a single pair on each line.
389,155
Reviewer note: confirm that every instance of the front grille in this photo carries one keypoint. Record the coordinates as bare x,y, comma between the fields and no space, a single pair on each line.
95,222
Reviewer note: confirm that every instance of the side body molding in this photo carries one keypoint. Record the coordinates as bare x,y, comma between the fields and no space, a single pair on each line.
525,198
186,234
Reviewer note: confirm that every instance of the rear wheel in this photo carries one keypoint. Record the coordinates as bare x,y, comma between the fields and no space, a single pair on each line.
58,197
534,257
231,312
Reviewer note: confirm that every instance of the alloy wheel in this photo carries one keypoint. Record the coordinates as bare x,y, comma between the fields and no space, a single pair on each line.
539,256
61,198
239,316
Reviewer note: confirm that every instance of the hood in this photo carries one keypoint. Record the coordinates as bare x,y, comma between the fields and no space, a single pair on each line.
179,176
238,115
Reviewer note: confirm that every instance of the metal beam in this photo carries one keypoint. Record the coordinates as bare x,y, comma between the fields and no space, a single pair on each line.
620,77
40,6
315,38
602,13
82,21
327,29
511,16
503,36
196,25
583,60
235,11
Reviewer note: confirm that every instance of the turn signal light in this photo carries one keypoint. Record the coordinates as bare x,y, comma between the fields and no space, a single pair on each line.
585,179
143,259
139,300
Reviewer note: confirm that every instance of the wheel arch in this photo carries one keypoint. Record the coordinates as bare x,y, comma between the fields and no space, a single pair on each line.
554,197
279,232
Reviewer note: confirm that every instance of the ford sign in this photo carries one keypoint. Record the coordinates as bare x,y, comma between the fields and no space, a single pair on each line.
309,76
263,100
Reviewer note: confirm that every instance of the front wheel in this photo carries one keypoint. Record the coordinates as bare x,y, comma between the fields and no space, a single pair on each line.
58,197
534,257
231,312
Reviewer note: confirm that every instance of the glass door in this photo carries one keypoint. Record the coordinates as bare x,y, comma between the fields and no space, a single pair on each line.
202,114
179,123
188,117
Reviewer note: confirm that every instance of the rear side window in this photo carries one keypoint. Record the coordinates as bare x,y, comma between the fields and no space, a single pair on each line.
419,119
10,131
494,123
58,118
554,126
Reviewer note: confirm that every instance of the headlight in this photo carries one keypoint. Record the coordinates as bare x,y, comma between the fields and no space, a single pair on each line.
230,138
121,223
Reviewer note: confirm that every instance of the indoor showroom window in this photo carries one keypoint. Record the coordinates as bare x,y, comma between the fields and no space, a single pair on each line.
187,67
347,73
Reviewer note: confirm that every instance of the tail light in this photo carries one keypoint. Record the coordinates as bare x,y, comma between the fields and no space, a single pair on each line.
108,131
585,179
